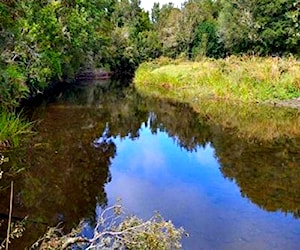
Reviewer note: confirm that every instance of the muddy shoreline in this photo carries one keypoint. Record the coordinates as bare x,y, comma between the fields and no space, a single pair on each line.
292,103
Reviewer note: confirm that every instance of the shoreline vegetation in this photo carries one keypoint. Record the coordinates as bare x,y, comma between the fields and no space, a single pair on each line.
232,92
242,79
12,127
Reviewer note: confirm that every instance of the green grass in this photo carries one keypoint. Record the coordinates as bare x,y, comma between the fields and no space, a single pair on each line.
246,79
12,128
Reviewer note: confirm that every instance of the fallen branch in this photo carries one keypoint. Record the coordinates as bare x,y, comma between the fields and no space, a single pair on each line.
73,240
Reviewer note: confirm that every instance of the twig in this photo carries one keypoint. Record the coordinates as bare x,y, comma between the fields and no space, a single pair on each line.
116,233
73,240
10,213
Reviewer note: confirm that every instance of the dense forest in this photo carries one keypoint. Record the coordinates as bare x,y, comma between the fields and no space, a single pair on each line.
52,40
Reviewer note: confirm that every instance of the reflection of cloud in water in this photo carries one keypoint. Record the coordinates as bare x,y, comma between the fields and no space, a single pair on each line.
150,155
206,158
153,174
142,155
212,224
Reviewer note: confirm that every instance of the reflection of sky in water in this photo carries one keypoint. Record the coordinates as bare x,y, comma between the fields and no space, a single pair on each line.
152,173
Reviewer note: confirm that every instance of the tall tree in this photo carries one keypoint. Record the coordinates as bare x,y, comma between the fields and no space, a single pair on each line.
263,27
237,27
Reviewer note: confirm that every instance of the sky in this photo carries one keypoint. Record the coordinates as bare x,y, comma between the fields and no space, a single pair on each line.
148,4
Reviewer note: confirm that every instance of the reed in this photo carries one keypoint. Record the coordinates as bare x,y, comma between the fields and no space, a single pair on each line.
12,128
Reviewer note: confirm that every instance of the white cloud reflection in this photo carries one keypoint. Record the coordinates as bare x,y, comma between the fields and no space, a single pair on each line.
153,174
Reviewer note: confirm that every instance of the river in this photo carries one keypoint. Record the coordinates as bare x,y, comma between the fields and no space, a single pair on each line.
96,143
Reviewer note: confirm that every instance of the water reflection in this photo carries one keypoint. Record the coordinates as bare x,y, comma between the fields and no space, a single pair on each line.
190,189
95,143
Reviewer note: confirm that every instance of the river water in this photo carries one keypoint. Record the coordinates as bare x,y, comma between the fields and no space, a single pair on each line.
96,143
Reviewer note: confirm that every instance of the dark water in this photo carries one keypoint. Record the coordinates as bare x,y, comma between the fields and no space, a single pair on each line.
95,144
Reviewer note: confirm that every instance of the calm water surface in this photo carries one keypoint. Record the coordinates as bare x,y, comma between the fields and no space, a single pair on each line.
95,145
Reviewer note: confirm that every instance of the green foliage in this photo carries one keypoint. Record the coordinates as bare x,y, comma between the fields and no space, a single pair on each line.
206,42
148,45
48,41
278,26
204,27
133,40
262,27
12,129
236,26
12,87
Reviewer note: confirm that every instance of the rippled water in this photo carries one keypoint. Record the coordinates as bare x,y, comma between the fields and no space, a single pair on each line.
96,144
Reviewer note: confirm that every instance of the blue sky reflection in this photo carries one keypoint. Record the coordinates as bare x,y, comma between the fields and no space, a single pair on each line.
153,174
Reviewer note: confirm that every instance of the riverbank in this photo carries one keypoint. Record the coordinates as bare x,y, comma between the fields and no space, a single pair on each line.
245,79
230,92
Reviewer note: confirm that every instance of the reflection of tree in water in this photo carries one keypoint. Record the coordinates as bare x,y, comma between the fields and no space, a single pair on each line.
267,173
67,167
179,122
66,174
70,156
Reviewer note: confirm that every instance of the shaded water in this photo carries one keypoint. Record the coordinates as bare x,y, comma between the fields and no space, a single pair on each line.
96,144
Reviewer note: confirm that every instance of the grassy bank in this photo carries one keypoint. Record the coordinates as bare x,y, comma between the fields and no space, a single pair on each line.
225,92
247,79
12,128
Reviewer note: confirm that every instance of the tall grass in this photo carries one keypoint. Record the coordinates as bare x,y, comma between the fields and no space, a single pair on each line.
247,79
12,128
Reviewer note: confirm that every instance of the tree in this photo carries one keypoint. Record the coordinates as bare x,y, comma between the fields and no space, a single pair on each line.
263,27
206,41
130,34
278,26
237,27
